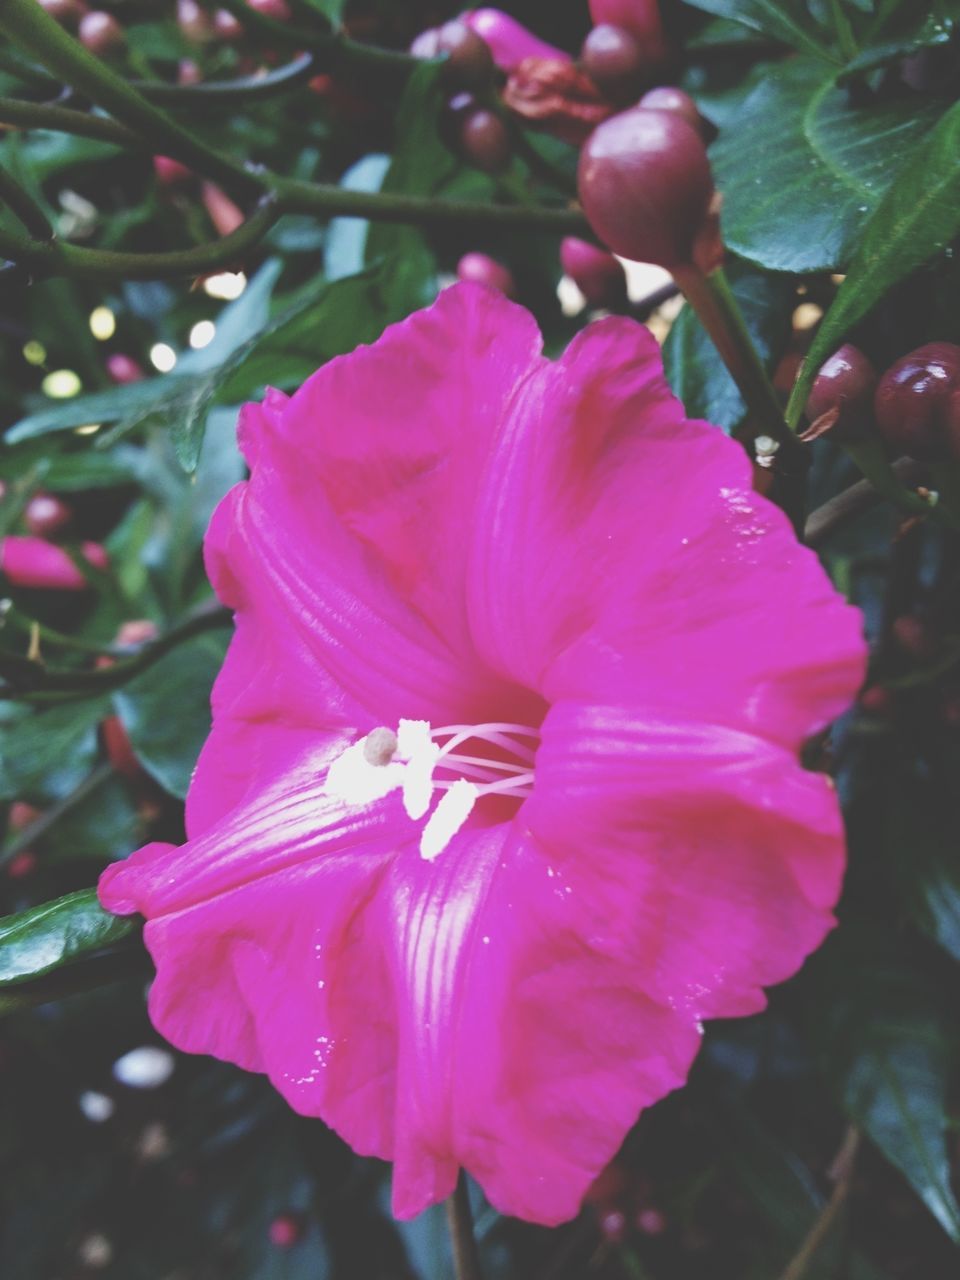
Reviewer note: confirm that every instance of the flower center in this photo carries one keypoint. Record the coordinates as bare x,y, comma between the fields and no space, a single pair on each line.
463,762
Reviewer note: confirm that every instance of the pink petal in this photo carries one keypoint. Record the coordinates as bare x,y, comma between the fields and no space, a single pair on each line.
719,856
622,556
509,40
34,562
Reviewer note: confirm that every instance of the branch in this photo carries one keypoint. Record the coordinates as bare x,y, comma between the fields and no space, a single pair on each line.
42,115
842,1175
228,92
24,208
858,498
50,817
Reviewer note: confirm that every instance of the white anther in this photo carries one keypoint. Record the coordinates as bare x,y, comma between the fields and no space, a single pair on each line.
447,818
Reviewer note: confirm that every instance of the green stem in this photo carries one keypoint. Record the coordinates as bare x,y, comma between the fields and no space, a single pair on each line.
35,830
28,26
24,208
216,93
719,313
845,38
55,258
466,1257
41,115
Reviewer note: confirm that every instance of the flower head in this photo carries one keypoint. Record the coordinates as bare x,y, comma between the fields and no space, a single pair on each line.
501,798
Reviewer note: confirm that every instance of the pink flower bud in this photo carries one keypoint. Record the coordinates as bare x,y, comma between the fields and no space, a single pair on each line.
23,865
137,632
170,172
123,369
596,273
120,753
485,270
100,33
508,40
485,141
640,17
646,187
614,60
224,214
286,1230
227,26
469,62
188,72
22,815
278,10
46,514
668,98
426,44
651,1222
33,562
194,21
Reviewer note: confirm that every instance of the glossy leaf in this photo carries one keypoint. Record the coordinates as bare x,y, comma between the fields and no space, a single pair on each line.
785,20
917,219
799,196
693,369
39,941
46,753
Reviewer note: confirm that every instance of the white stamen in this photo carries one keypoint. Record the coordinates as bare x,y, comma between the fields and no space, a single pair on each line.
447,818
417,748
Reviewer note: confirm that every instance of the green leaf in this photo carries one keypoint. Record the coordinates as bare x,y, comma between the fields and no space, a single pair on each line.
127,405
918,217
166,710
43,939
331,9
45,754
799,196
785,20
695,371
886,1046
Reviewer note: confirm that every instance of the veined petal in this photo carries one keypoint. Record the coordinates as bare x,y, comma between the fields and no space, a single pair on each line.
620,554
719,857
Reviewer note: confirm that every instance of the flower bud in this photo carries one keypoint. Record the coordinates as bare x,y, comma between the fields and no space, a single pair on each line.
614,61
34,562
123,369
668,98
194,21
647,190
224,214
640,17
508,40
227,26
46,514
558,97
22,865
876,701
912,404
170,172
651,1221
485,141
426,44
286,1230
278,10
188,72
915,637
22,814
67,12
596,273
100,33
844,389
469,63
486,270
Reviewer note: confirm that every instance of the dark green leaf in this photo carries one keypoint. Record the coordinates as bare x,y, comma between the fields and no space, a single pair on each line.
886,1046
917,219
695,371
128,405
785,20
166,710
36,942
44,754
798,197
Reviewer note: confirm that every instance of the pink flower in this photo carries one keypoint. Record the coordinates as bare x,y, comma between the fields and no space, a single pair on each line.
509,40
34,562
501,798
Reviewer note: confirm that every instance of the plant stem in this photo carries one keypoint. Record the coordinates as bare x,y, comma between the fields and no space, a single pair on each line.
851,502
50,817
24,208
29,27
42,115
229,92
460,1221
842,1174
718,311
844,32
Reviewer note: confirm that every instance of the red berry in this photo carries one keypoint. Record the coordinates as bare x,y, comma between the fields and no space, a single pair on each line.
646,187
469,63
485,270
667,98
485,141
875,700
23,864
285,1230
651,1222
100,33
171,173
912,404
596,273
46,514
22,815
123,369
614,61
613,1226
640,17
194,21
845,383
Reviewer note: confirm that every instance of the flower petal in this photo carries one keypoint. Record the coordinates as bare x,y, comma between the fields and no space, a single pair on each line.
620,554
719,857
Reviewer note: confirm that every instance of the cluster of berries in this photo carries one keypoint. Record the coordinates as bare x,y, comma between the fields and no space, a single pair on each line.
103,35
914,407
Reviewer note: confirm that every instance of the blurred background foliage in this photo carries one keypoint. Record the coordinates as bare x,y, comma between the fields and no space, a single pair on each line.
817,1140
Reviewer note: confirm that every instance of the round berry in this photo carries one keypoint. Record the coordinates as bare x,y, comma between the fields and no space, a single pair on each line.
22,814
469,62
614,61
46,514
913,400
596,273
846,384
100,33
485,141
667,98
286,1230
123,369
646,186
486,270
640,17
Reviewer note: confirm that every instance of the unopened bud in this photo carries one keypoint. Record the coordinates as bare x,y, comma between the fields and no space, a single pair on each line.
915,405
100,33
485,141
598,275
482,269
123,369
668,98
508,40
46,514
469,63
843,389
614,61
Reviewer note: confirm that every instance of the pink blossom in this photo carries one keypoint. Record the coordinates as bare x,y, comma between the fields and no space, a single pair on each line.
502,796
509,40
34,562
